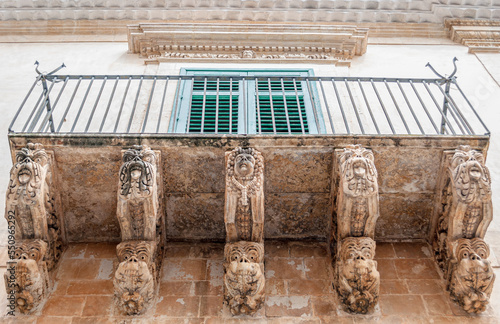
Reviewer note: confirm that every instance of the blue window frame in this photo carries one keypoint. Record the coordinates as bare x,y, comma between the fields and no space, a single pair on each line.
269,106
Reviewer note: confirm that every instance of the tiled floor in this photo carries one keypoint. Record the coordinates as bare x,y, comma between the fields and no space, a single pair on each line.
298,288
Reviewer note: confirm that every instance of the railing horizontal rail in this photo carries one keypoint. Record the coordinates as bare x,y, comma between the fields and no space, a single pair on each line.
235,104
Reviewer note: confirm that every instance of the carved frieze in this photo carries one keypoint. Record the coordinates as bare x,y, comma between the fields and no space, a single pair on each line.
357,277
137,210
464,214
30,279
480,35
135,278
244,280
244,203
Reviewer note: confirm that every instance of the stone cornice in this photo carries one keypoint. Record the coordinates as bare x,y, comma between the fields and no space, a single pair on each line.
478,35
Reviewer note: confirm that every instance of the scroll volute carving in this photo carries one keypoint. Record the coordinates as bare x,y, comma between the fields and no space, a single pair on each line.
135,278
244,199
31,282
137,195
244,277
357,200
27,194
358,280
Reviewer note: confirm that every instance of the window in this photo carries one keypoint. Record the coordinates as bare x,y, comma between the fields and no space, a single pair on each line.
224,103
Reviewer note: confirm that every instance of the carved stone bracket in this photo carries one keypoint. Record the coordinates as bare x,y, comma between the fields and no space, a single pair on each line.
31,213
353,229
141,225
247,42
479,35
464,211
244,220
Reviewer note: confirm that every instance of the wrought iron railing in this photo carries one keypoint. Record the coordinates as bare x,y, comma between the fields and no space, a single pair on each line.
151,104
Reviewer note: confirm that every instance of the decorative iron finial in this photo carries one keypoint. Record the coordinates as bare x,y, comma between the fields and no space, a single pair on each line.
42,75
452,75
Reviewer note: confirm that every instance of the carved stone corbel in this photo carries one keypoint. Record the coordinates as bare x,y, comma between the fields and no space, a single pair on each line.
33,226
138,213
356,275
30,278
244,280
465,212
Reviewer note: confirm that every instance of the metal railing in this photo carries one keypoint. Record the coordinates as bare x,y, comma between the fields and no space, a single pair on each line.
148,104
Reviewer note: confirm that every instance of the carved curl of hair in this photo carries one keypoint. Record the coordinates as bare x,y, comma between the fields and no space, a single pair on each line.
137,157
356,153
259,164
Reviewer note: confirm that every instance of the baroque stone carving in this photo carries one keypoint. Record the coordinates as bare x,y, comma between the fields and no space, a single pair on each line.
464,216
479,35
137,198
244,204
30,283
244,280
135,277
358,280
353,230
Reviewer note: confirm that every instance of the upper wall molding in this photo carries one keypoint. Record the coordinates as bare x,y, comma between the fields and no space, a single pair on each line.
478,35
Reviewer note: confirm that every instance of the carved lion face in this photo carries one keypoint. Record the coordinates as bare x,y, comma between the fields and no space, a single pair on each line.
137,170
30,250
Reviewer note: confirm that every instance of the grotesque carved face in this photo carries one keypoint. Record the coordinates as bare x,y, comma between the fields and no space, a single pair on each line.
471,177
244,252
358,171
135,252
28,164
136,172
30,250
474,250
358,249
244,165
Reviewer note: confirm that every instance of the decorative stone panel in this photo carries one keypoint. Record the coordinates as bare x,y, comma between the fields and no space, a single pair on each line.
479,35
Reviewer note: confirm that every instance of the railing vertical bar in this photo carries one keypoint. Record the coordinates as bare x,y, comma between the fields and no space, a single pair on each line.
83,104
438,108
47,121
425,107
327,107
410,107
45,104
22,105
245,130
163,104
271,104
35,108
383,107
286,107
341,107
315,113
109,105
231,105
69,105
203,106
257,101
454,106
299,107
190,106
132,114
96,103
151,94
355,107
368,106
397,107
121,106
217,108
473,109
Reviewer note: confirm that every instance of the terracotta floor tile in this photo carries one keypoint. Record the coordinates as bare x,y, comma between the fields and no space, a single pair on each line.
54,319
407,306
95,320
178,306
24,319
177,288
307,249
60,287
211,306
276,249
98,306
416,269
437,305
284,268
384,251
207,251
275,287
101,251
76,269
412,250
426,286
90,287
317,268
209,288
64,306
387,269
184,269
324,306
393,287
215,269
75,251
178,250
309,287
288,306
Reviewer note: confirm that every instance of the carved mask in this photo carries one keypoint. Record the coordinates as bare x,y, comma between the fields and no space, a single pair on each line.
472,178
358,171
31,250
244,257
28,168
244,165
136,173
474,250
358,253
